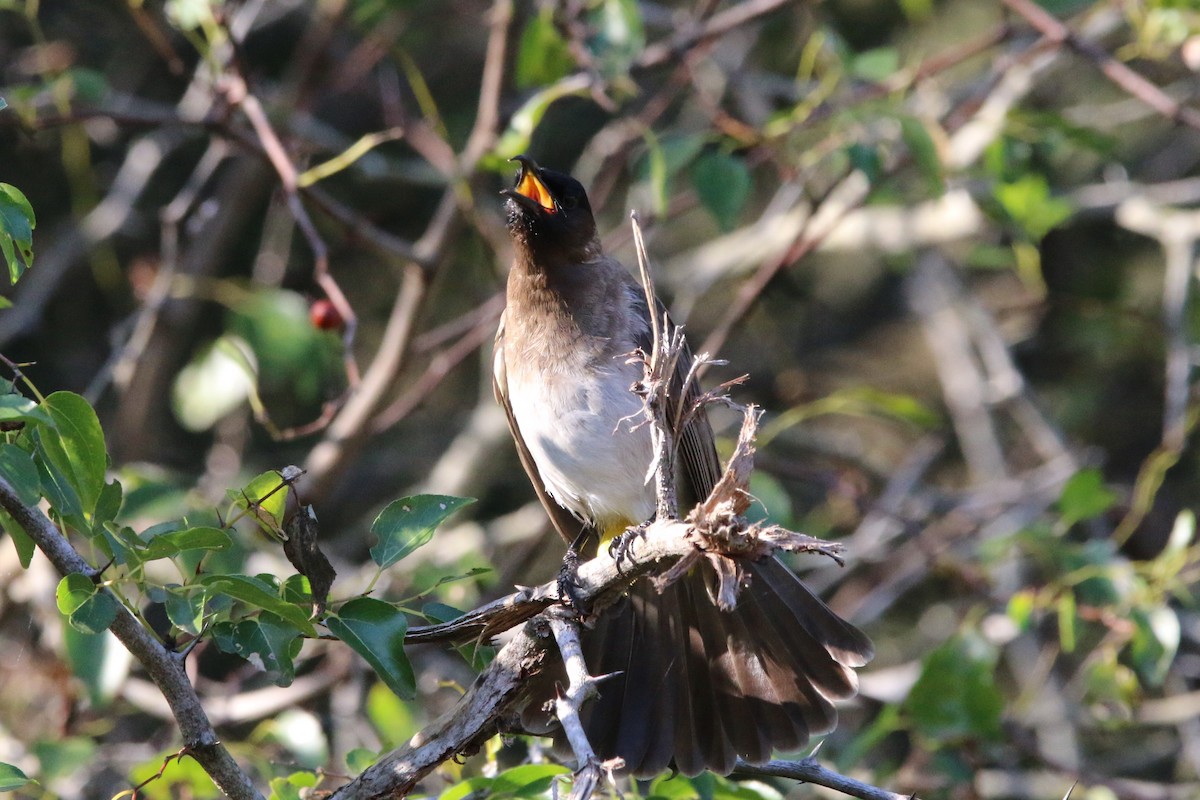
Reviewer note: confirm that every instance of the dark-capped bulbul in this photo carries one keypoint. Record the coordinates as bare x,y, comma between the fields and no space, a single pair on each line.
693,687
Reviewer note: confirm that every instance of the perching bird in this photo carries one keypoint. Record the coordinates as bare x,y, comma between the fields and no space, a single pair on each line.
695,687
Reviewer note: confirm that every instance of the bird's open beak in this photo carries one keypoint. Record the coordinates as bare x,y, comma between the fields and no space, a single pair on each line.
530,187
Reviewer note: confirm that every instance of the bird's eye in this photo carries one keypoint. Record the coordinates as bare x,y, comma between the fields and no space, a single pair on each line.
569,202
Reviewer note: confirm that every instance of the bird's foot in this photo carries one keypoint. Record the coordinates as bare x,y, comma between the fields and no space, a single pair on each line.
569,590
619,549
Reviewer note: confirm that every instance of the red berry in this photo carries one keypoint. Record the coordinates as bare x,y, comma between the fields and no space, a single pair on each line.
325,316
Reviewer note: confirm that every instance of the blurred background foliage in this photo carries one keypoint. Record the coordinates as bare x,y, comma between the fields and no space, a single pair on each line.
951,246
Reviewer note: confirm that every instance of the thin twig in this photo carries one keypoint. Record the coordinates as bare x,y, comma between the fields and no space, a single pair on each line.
808,770
239,95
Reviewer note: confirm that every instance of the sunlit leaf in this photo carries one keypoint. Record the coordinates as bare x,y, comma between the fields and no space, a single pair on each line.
18,408
265,498
375,630
527,780
1028,203
259,594
409,523
543,56
75,446
12,778
291,787
216,382
521,125
169,545
392,718
1155,642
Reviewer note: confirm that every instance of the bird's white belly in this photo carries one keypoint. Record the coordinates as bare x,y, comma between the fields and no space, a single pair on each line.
588,443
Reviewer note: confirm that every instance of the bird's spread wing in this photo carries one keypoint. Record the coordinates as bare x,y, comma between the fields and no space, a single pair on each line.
567,525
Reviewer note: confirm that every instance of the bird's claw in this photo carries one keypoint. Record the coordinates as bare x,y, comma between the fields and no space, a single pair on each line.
620,548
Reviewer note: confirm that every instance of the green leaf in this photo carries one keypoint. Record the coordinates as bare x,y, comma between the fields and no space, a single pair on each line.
375,630
169,545
1028,203
11,778
261,595
57,486
722,183
87,607
924,153
665,157
392,719
19,469
360,758
875,65
99,661
60,757
527,780
543,56
1066,622
1155,642
289,788
866,159
618,36
269,642
76,446
1085,497
186,607
956,696
16,230
409,523
164,776
265,498
17,408
1021,607
521,125
218,379
21,541
108,504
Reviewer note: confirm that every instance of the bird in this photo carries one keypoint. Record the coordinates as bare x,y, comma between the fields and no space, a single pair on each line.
687,686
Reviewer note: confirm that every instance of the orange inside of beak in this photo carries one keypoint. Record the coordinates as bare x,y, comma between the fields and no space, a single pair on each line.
535,190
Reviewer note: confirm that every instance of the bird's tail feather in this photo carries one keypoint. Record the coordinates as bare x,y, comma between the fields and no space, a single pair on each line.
693,687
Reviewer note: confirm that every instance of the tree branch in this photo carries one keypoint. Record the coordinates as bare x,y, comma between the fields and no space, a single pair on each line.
164,667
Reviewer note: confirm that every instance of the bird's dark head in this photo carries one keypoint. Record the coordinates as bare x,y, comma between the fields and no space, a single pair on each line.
549,216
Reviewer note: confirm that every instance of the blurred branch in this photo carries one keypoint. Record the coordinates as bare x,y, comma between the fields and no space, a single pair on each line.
165,668
238,95
1116,71
808,770
352,426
